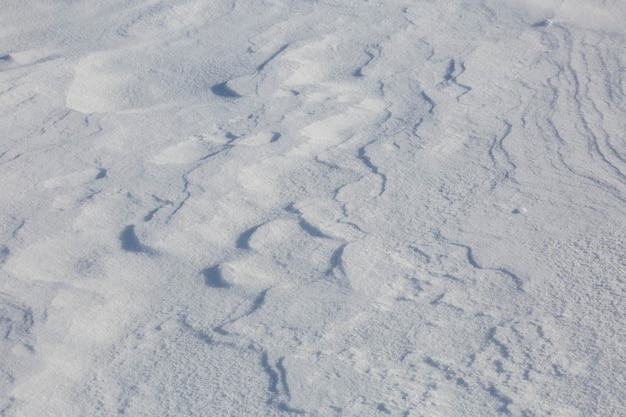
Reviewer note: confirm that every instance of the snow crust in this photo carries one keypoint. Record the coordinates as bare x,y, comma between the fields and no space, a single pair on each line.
313,207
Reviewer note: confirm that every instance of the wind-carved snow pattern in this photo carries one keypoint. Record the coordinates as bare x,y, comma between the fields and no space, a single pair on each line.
312,208
17,344
500,157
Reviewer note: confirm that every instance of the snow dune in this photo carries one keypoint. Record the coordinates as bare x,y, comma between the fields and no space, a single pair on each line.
324,208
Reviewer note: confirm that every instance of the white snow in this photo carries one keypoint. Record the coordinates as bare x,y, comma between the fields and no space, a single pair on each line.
313,207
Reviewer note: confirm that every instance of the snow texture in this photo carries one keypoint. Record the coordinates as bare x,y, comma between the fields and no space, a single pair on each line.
313,207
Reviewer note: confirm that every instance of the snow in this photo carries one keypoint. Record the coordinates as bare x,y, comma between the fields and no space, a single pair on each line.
321,208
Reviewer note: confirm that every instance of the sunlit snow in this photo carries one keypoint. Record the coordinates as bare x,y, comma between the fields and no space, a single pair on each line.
313,207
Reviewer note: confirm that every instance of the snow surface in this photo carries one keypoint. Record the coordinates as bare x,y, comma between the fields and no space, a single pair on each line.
313,207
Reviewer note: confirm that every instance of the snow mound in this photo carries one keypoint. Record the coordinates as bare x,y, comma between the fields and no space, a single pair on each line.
132,79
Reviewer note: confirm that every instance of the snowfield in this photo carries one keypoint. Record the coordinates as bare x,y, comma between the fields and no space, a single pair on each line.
313,207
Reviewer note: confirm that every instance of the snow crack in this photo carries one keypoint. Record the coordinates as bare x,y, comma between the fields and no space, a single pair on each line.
365,159
517,281
450,77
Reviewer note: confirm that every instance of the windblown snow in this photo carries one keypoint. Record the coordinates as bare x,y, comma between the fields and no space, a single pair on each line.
313,207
